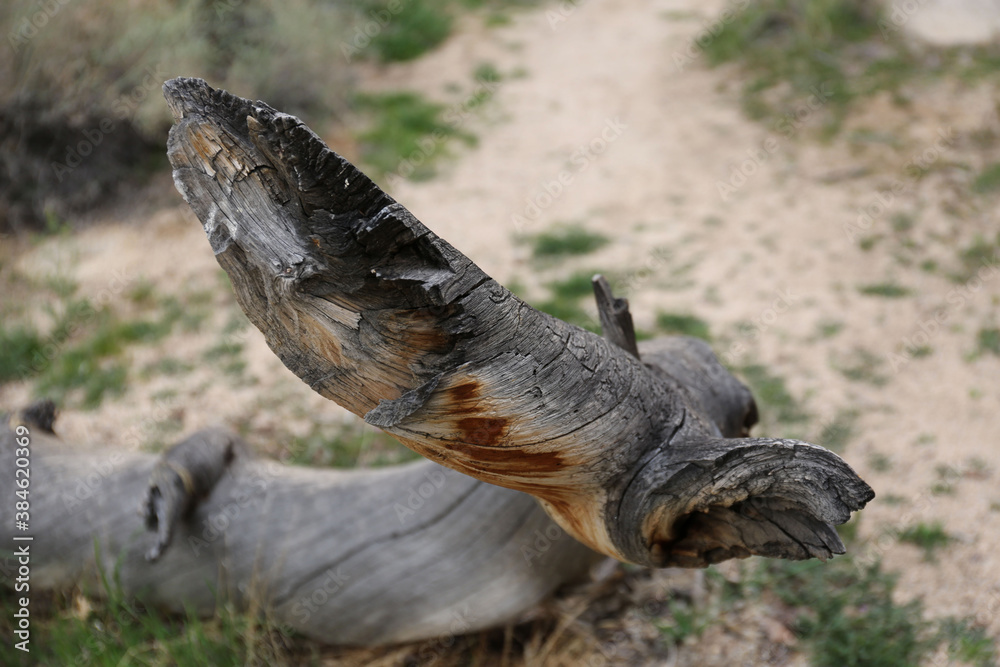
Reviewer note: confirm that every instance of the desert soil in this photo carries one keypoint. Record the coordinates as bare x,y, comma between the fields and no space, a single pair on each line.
611,96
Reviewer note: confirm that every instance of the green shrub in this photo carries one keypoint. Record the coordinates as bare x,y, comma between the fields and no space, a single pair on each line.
20,346
929,537
407,134
804,58
772,394
418,27
988,180
564,240
988,340
91,77
685,325
887,290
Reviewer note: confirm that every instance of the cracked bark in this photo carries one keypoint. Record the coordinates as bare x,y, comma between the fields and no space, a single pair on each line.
377,313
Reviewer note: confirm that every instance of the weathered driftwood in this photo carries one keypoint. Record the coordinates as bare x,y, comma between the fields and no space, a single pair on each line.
638,451
375,312
347,557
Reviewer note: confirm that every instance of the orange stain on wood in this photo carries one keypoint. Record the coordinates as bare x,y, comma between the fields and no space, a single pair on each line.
537,474
465,392
463,399
512,464
482,431
575,525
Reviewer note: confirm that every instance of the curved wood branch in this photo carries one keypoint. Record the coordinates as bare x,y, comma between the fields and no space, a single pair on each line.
374,311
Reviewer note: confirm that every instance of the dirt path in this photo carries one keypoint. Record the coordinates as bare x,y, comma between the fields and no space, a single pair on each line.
779,253
596,122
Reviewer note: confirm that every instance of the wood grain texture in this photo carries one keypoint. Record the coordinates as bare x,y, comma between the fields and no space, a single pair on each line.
377,313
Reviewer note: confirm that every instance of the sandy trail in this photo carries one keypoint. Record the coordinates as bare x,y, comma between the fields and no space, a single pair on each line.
780,252
642,145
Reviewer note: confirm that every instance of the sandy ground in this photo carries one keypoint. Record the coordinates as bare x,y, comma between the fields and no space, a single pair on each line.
607,118
781,252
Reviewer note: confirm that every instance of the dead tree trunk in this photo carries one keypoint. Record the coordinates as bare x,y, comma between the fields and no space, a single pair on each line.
375,312
639,452
346,557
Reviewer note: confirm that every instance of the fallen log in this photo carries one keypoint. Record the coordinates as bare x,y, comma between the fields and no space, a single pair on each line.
356,557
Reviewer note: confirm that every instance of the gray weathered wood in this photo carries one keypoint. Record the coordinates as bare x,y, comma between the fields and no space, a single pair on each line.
616,320
185,475
346,557
377,313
